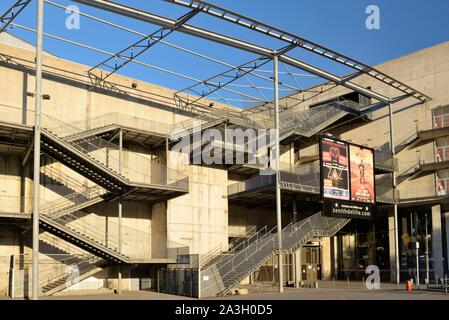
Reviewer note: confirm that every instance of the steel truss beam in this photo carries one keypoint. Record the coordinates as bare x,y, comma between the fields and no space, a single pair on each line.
230,76
182,49
9,16
300,42
127,55
228,41
111,86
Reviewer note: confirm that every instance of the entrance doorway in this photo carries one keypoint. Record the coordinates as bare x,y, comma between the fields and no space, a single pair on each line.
311,263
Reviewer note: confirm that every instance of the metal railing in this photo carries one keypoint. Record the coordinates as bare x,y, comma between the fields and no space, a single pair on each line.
212,254
312,120
122,120
135,243
236,266
76,223
257,236
72,200
305,178
58,175
103,152
60,245
54,270
407,172
100,150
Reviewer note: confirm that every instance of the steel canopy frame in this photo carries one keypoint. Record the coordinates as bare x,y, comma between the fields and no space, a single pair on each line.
242,71
9,16
141,63
298,41
114,25
143,45
226,40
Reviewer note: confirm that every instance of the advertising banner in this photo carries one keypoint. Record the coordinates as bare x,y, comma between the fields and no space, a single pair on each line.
335,169
362,174
347,179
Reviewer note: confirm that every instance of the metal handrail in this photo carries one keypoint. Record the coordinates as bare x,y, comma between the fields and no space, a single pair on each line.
216,254
73,222
120,119
71,200
312,232
219,249
90,260
268,244
93,148
65,179
61,244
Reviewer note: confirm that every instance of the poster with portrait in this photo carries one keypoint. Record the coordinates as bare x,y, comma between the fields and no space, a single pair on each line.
362,174
335,169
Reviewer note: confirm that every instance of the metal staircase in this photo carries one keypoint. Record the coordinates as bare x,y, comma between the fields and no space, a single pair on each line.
74,229
408,173
91,157
75,259
78,159
74,201
87,266
228,272
311,121
114,120
81,197
235,245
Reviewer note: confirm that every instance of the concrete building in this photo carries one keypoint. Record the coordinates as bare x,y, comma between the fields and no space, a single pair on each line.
122,210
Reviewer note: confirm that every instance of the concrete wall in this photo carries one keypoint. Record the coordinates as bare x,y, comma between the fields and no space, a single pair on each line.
199,220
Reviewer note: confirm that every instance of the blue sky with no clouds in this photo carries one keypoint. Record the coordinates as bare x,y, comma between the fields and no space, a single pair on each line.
405,27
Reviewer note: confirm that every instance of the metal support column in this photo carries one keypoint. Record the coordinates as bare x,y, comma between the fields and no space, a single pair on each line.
395,206
37,149
278,186
295,211
120,231
295,255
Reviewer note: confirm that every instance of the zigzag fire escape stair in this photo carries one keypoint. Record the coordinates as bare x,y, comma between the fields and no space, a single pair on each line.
85,265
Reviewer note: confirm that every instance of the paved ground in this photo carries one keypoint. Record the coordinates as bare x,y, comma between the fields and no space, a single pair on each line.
325,291
344,294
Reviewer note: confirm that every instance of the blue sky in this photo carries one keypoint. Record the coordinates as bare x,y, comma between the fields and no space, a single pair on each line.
406,26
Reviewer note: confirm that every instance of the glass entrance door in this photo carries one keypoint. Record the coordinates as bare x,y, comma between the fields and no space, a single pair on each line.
311,263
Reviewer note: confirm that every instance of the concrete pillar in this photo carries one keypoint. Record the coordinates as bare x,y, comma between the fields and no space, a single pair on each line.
392,247
119,280
295,212
437,242
297,267
326,258
446,220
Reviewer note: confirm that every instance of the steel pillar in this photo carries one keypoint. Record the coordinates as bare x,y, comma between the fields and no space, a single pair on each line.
120,231
395,206
278,186
37,150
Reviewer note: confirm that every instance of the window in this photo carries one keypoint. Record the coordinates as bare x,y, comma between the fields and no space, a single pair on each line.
441,117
